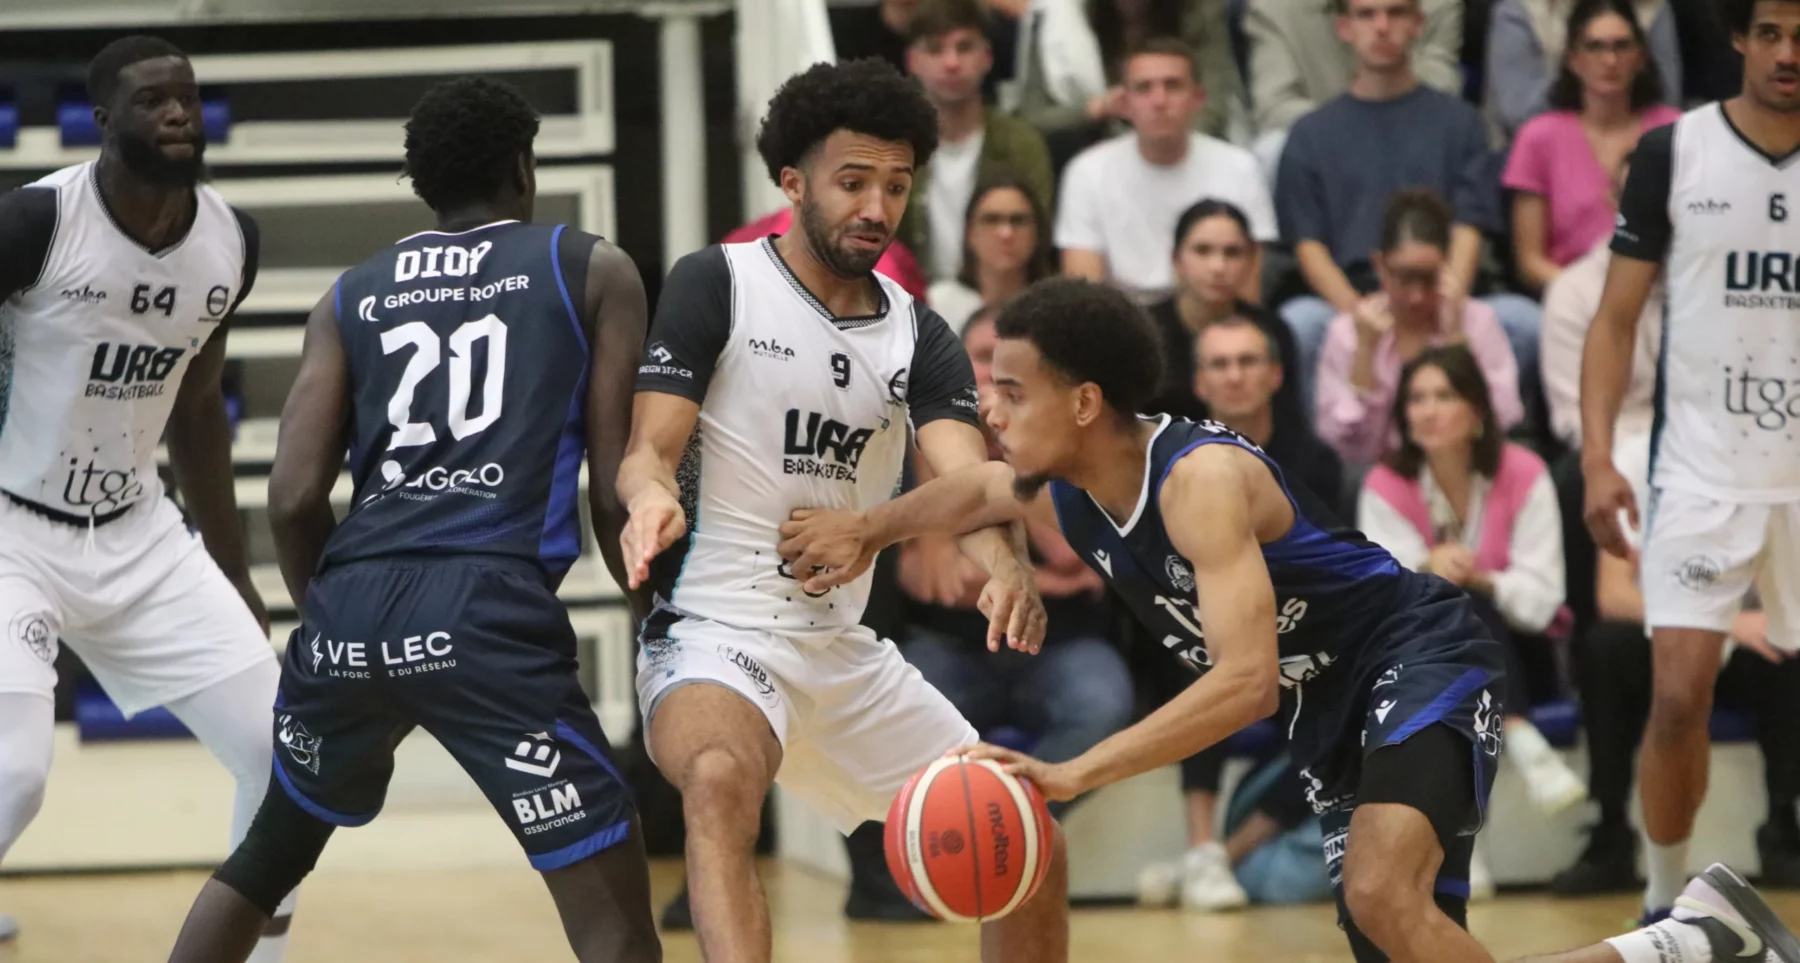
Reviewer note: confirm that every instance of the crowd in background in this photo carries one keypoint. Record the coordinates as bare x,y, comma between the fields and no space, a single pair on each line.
1372,234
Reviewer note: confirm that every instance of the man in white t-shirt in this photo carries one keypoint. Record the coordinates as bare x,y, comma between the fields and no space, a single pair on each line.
948,53
1120,199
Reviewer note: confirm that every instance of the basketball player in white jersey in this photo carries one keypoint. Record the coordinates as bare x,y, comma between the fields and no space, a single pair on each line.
782,374
1707,203
117,280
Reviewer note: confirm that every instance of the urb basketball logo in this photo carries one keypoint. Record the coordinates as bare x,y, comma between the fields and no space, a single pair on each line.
819,437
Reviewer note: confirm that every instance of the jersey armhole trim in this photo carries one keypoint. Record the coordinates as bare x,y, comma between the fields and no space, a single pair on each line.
50,248
1274,469
562,284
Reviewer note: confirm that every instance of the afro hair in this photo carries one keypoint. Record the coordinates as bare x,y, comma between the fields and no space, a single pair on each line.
863,96
1089,332
463,138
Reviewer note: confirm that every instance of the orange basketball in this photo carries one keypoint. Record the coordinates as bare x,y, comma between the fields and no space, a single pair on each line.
967,842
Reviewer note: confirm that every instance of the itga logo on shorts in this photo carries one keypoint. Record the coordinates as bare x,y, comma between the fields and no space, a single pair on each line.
1697,572
33,631
301,745
1180,576
758,676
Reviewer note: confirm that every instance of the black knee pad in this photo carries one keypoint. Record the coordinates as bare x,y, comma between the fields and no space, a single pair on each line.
282,846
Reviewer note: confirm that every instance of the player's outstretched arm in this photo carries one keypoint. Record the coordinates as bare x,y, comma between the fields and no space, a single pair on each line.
309,453
1237,605
199,439
616,316
838,545
1010,599
1605,374
660,427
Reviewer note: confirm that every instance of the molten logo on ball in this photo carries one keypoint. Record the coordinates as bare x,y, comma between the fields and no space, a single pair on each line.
1002,842
966,841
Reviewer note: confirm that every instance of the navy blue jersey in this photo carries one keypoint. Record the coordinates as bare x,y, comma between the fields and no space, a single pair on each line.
1333,587
468,378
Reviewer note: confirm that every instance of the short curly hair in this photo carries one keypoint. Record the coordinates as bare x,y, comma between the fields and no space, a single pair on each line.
1089,332
463,137
865,96
104,69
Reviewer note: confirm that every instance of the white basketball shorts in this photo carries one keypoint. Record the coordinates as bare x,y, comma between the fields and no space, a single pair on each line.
143,605
1701,556
855,721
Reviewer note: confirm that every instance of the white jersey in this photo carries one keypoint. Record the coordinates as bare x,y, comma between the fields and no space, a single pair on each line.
96,338
798,409
1715,210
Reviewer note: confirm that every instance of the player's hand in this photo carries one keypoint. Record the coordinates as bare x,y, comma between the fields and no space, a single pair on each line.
1751,630
656,522
1014,609
246,588
1608,494
831,544
1058,781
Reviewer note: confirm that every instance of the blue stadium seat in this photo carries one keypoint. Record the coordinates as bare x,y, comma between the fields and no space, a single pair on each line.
101,721
75,120
9,125
1730,725
1010,737
1560,722
1258,740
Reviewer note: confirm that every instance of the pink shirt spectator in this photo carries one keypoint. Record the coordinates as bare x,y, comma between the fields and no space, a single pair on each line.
1551,158
896,262
1360,425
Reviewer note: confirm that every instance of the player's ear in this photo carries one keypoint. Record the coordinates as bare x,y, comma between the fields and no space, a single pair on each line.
101,117
525,173
1090,406
793,184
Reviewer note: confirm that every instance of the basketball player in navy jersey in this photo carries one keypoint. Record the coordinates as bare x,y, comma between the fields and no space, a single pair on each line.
469,369
1390,679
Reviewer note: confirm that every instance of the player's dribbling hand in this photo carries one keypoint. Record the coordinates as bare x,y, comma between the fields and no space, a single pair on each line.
831,545
1608,494
1056,780
1014,610
656,522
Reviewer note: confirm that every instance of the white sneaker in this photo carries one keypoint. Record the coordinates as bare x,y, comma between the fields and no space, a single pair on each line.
9,928
1481,882
1551,784
1208,883
1159,884
1736,921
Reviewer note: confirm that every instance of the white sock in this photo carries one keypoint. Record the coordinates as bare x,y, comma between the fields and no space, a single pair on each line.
1665,871
1670,941
1524,743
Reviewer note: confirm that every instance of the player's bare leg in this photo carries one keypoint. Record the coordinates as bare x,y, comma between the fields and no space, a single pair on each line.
1391,863
717,749
1038,931
604,901
1677,748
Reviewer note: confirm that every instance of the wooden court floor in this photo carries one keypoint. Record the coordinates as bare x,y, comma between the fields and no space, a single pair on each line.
504,916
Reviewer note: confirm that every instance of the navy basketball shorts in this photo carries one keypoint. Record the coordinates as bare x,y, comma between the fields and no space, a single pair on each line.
479,652
1416,719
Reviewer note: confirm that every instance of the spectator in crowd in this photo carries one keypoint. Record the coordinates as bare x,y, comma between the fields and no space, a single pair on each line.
1006,246
1711,69
1299,60
1359,370
1120,198
1527,43
1237,373
1215,260
1570,304
950,55
1562,164
1072,57
1614,671
1457,500
872,30
1345,159
897,263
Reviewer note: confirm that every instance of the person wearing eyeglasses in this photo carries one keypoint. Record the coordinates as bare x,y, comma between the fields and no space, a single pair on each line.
1526,44
1365,348
1563,162
1006,246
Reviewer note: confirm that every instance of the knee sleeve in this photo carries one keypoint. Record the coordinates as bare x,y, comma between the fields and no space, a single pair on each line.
282,846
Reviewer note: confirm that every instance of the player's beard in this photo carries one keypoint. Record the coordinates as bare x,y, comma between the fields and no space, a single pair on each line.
1026,487
823,243
143,158
1781,104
